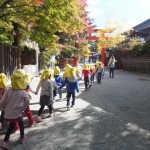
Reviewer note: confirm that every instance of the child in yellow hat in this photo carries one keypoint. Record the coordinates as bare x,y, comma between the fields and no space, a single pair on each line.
58,79
72,86
46,95
65,74
27,77
86,73
28,89
15,100
3,87
99,71
92,71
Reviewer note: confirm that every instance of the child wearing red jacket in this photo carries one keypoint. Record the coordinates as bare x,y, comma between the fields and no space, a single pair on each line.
86,73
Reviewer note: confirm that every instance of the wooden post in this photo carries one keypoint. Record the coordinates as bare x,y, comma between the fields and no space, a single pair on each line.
76,61
16,43
103,56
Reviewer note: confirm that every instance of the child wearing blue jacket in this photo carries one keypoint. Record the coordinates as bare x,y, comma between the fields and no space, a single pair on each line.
58,79
72,86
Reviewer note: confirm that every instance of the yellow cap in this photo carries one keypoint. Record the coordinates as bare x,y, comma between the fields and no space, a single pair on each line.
46,74
18,81
52,74
85,67
72,72
3,83
21,71
67,67
28,77
57,71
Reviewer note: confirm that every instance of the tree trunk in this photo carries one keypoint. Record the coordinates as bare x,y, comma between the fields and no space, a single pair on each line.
17,43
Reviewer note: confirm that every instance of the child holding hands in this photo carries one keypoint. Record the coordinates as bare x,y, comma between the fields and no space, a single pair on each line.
15,100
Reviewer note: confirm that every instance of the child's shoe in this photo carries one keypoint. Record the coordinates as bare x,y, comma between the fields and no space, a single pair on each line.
5,145
22,139
39,119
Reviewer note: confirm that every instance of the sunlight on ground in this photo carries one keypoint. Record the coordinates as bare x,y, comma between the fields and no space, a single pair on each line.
136,129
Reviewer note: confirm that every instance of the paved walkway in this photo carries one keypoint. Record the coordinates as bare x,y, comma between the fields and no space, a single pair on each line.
112,116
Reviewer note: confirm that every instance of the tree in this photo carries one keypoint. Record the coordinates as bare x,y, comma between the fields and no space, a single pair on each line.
40,22
129,43
111,36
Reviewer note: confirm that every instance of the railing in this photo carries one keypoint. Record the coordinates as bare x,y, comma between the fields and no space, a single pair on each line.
138,65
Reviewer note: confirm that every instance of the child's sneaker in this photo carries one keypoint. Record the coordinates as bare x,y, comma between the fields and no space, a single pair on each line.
39,119
22,139
5,145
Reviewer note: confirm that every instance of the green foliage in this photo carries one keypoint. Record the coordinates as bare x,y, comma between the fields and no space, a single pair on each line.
129,43
40,23
146,48
84,50
136,50
141,49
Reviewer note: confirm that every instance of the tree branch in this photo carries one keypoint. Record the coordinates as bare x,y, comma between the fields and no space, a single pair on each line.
5,3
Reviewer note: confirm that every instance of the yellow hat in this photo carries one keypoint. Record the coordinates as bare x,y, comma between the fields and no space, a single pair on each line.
77,70
52,74
97,63
3,83
21,71
18,81
85,67
28,77
57,71
67,67
72,72
46,74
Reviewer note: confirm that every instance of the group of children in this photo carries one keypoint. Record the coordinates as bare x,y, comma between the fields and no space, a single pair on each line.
90,71
15,99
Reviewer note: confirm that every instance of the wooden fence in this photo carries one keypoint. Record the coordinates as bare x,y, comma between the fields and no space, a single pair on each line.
9,59
138,65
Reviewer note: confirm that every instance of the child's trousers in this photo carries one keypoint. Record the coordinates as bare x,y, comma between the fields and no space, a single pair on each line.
11,128
30,115
69,94
42,108
86,82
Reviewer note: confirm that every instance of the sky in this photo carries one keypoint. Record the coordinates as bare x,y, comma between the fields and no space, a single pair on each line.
130,12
